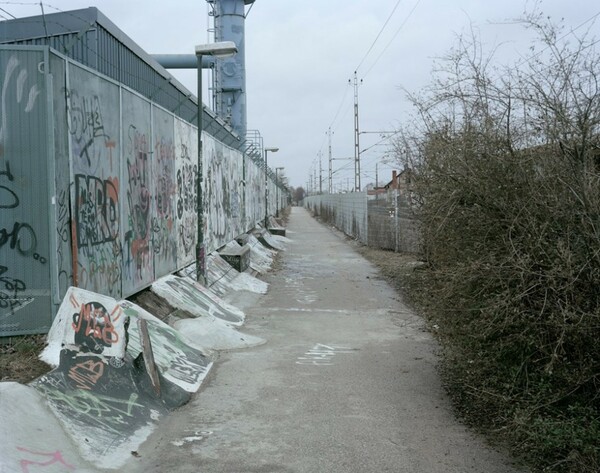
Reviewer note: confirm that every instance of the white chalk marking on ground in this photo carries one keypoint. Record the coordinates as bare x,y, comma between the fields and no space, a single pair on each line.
322,355
197,437
303,309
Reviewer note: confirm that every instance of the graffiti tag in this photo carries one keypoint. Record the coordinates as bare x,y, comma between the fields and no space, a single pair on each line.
51,458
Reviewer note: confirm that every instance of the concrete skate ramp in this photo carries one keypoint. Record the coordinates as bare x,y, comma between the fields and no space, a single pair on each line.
37,441
216,277
211,329
261,258
222,278
179,360
267,240
101,391
196,299
243,281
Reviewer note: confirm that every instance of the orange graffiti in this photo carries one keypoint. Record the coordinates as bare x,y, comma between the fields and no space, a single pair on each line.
87,374
97,324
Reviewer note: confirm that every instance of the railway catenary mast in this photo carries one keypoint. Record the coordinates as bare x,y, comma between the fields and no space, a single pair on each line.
229,79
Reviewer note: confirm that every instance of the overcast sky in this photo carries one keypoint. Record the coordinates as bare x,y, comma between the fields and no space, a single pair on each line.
301,54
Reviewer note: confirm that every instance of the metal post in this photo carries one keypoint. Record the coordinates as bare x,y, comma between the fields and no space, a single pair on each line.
329,132
277,183
320,173
376,175
397,242
266,192
356,136
200,256
277,193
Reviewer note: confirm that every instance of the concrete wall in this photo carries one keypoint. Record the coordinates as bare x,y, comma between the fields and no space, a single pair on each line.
98,188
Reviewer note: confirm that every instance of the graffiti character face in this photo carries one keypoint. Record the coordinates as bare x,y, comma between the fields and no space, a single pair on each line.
93,328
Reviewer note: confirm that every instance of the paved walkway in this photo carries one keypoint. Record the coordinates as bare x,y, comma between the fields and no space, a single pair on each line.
345,383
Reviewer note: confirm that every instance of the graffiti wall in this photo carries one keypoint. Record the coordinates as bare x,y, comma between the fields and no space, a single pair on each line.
24,205
94,130
98,188
254,190
137,193
164,235
222,192
186,169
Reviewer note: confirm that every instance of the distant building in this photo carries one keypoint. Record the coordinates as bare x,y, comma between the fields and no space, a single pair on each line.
402,182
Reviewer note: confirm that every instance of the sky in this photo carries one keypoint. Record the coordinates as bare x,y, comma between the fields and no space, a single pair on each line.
300,56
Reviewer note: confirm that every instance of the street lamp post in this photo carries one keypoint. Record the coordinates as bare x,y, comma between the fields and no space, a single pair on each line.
272,150
220,50
277,198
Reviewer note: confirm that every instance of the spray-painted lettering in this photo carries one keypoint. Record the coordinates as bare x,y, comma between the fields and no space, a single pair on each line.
8,198
137,238
86,125
186,188
109,413
87,373
96,210
163,236
43,460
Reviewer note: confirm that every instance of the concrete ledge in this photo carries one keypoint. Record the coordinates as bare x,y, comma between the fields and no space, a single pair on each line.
237,256
277,231
242,239
275,227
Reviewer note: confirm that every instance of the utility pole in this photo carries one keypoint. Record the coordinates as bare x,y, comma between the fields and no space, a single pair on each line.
356,134
329,132
320,173
376,182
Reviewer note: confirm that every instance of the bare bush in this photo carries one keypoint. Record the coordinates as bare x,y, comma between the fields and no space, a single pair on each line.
507,166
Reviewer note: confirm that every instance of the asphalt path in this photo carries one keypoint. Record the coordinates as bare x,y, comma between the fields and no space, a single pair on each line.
346,382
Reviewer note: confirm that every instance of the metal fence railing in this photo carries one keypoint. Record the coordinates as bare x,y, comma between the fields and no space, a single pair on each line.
388,222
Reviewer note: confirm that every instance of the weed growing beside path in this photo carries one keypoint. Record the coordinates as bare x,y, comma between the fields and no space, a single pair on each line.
19,359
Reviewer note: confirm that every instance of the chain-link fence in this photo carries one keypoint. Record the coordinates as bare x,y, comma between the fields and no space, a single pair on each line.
387,222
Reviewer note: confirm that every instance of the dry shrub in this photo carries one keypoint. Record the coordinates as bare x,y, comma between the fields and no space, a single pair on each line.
508,176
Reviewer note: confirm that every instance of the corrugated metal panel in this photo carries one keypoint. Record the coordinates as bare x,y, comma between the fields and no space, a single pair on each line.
24,207
62,270
88,37
78,47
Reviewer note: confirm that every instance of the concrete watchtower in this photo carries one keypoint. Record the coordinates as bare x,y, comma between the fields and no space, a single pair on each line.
229,83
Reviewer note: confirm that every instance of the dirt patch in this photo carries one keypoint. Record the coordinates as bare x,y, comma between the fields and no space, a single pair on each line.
394,267
19,359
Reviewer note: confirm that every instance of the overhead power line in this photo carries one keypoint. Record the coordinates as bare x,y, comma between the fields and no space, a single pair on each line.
378,35
8,13
393,38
